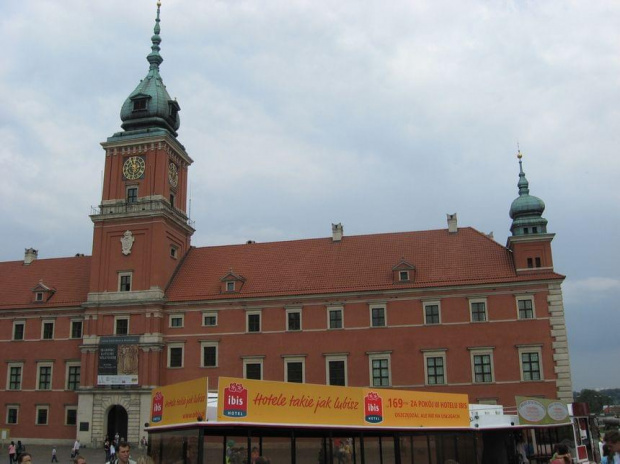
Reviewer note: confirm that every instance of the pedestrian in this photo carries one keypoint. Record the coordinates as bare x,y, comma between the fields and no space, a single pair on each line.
79,460
561,455
54,458
76,449
19,449
24,458
612,440
123,457
106,448
12,457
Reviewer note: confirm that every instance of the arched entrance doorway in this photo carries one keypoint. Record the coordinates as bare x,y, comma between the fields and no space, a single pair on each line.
117,422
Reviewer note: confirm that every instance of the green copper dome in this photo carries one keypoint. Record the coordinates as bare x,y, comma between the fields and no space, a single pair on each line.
149,106
526,210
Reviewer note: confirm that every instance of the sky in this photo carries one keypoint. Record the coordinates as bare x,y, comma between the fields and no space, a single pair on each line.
383,116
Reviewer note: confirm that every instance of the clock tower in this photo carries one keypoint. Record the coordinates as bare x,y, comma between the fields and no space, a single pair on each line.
141,228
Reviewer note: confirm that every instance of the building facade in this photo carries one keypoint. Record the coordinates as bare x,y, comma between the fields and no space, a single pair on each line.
85,339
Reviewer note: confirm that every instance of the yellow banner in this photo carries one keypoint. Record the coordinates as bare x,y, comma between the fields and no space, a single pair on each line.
243,400
180,402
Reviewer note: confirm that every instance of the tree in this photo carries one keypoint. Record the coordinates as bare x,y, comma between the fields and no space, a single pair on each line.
595,399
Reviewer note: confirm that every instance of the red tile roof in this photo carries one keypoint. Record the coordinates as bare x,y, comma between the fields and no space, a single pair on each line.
67,276
357,263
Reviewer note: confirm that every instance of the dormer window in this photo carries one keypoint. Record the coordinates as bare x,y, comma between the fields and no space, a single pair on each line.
231,283
38,296
403,272
173,109
403,276
42,293
140,104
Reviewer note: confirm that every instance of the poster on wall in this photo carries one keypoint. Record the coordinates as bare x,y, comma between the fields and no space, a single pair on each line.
118,360
541,411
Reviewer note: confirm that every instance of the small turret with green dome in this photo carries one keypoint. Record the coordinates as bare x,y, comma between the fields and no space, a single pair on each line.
526,210
149,107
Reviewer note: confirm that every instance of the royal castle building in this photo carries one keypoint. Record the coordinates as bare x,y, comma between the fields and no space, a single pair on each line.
84,339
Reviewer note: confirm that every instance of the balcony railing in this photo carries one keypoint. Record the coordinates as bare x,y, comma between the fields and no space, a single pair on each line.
136,207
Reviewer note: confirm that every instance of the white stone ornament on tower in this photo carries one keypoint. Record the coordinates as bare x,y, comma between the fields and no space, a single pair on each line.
127,242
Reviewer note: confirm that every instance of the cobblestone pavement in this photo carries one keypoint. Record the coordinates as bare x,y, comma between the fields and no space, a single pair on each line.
42,454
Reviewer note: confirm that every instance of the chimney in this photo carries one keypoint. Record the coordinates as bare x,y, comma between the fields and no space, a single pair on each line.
452,227
337,232
30,255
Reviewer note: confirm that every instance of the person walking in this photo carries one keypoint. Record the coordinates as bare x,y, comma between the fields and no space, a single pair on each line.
12,457
54,458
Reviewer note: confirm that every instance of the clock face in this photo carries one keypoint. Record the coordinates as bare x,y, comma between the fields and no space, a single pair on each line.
133,168
173,174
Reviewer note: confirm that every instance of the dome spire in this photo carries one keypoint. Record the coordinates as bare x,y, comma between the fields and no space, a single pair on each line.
526,211
149,107
154,58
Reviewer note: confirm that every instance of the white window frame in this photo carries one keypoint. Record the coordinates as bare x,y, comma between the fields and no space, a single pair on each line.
335,308
381,306
253,360
208,344
9,407
68,367
125,274
122,318
176,316
247,321
169,349
435,354
295,359
293,311
473,301
49,364
38,408
524,298
75,321
38,297
481,352
16,323
405,274
209,314
431,303
174,251
71,408
378,357
21,376
231,286
330,358
43,323
531,349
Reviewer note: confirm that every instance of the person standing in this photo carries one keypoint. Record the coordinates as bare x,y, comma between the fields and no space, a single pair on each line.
24,458
123,457
76,448
106,448
12,453
112,453
54,458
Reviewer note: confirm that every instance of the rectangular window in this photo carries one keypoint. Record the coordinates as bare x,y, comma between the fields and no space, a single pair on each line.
47,331
73,377
431,313
71,416
380,371
435,370
175,356
293,319
132,194
253,321
174,252
124,282
172,202
337,371
209,354
483,367
209,319
294,370
15,377
530,263
18,330
76,329
38,296
377,316
230,286
478,311
253,369
42,415
12,415
526,308
538,262
45,378
531,369
335,318
176,321
122,326
403,276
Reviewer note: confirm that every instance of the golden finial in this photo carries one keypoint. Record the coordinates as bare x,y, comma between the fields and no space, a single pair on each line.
519,155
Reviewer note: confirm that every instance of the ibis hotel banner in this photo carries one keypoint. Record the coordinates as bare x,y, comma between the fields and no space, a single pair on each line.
541,411
243,400
180,402
118,360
